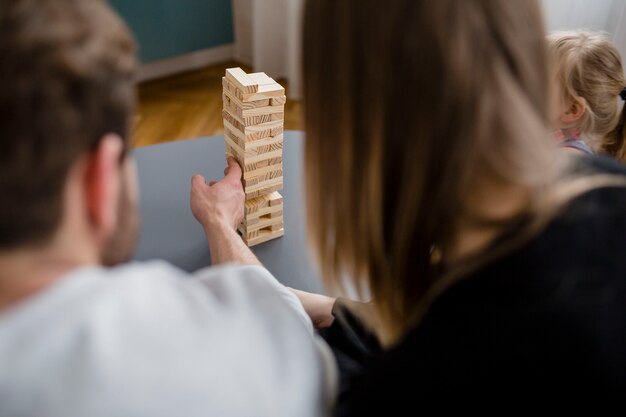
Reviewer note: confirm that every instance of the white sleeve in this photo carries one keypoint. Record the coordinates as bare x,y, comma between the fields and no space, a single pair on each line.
254,288
234,272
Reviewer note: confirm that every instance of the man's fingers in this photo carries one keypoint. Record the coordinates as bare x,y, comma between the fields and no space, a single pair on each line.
197,181
212,183
233,170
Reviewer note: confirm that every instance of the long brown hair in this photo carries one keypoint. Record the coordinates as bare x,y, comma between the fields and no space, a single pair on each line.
408,107
590,66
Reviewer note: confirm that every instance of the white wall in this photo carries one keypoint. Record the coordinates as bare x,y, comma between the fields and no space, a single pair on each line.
573,14
242,19
267,37
267,32
617,25
605,15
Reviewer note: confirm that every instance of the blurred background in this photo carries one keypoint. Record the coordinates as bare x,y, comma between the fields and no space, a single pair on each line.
185,46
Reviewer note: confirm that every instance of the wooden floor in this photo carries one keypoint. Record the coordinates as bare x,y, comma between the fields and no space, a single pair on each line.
189,106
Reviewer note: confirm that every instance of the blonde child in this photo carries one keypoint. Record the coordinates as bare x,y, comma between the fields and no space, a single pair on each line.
593,89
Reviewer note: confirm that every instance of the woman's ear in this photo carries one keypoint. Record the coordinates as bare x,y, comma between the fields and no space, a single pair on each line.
102,185
574,111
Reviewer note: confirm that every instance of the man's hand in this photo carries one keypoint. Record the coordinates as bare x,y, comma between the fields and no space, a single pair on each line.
318,307
218,206
218,203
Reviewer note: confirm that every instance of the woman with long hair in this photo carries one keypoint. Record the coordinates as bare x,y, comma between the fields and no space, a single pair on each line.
494,263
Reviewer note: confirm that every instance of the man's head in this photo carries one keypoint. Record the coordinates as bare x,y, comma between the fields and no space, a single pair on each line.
66,97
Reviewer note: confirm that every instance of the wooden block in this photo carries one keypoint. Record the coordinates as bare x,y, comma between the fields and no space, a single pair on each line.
267,190
254,233
246,105
268,148
264,213
265,160
276,199
250,234
236,107
261,219
277,213
241,80
245,121
264,236
254,166
253,157
266,84
278,101
247,229
251,149
230,151
252,152
261,78
268,212
261,185
270,175
264,118
272,157
272,212
234,141
255,205
264,92
269,91
257,168
251,133
275,142
263,145
231,89
233,120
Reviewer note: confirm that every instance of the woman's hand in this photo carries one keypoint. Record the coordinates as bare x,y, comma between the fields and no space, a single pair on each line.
318,307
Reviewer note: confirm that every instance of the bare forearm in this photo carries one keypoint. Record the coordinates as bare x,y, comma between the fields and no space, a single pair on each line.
226,246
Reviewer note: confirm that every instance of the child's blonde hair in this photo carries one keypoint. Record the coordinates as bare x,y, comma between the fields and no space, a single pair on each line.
589,66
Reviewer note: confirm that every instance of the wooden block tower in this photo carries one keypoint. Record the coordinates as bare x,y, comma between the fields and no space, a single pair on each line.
254,112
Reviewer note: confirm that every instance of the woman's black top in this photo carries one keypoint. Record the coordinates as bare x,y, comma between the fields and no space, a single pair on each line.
545,323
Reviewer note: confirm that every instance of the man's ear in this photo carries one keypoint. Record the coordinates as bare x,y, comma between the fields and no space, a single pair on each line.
574,112
102,185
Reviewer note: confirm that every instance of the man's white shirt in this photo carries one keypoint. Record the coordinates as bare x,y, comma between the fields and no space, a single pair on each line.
151,340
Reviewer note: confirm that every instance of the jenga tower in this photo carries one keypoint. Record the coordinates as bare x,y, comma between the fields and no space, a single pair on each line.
254,112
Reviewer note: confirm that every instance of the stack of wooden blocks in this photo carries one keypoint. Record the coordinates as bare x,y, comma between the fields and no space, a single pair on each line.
254,113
